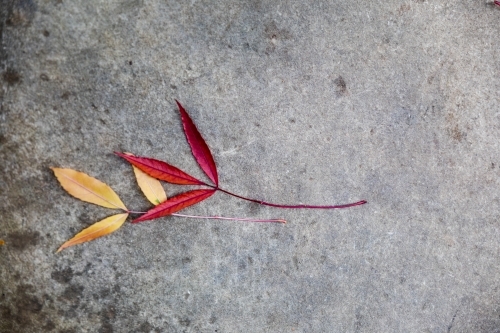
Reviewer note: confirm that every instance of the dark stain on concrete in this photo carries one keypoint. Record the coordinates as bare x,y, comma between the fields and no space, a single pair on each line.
341,86
28,302
456,134
253,208
72,294
11,76
106,293
63,275
146,327
108,316
273,34
69,330
21,13
49,326
453,129
22,239
184,321
16,314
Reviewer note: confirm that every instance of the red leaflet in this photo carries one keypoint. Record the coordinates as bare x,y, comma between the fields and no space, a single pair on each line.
161,170
199,147
497,3
175,204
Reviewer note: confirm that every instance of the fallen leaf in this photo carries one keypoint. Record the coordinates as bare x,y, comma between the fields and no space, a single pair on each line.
89,189
150,186
199,147
96,230
161,170
2,242
175,204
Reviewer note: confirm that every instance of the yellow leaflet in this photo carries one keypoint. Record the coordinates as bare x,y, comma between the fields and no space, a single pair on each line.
96,230
150,186
86,188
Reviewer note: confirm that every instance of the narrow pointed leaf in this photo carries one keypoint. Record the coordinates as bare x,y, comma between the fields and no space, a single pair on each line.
150,186
96,230
161,170
199,147
89,189
175,204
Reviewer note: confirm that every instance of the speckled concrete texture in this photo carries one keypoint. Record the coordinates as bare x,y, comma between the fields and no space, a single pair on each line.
323,102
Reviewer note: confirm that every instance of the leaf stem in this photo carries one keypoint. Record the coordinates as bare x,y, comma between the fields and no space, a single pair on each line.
218,217
231,218
260,202
135,212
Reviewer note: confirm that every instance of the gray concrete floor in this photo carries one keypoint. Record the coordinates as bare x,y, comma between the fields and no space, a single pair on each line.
324,102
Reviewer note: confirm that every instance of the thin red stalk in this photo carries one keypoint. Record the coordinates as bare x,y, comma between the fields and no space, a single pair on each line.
135,212
362,202
218,217
230,218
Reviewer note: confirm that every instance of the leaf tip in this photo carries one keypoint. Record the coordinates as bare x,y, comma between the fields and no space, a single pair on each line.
62,247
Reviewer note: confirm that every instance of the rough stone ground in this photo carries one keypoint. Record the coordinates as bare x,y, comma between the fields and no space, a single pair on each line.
395,102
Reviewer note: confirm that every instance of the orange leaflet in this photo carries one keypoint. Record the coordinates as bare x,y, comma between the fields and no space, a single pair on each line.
175,204
161,170
151,187
96,230
88,189
199,147
2,242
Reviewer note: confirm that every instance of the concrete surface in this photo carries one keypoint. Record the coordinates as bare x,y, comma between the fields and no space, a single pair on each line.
324,102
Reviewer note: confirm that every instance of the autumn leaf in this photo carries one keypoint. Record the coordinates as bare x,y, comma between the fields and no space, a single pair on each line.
175,204
2,242
89,189
150,186
199,147
96,230
161,170
204,157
